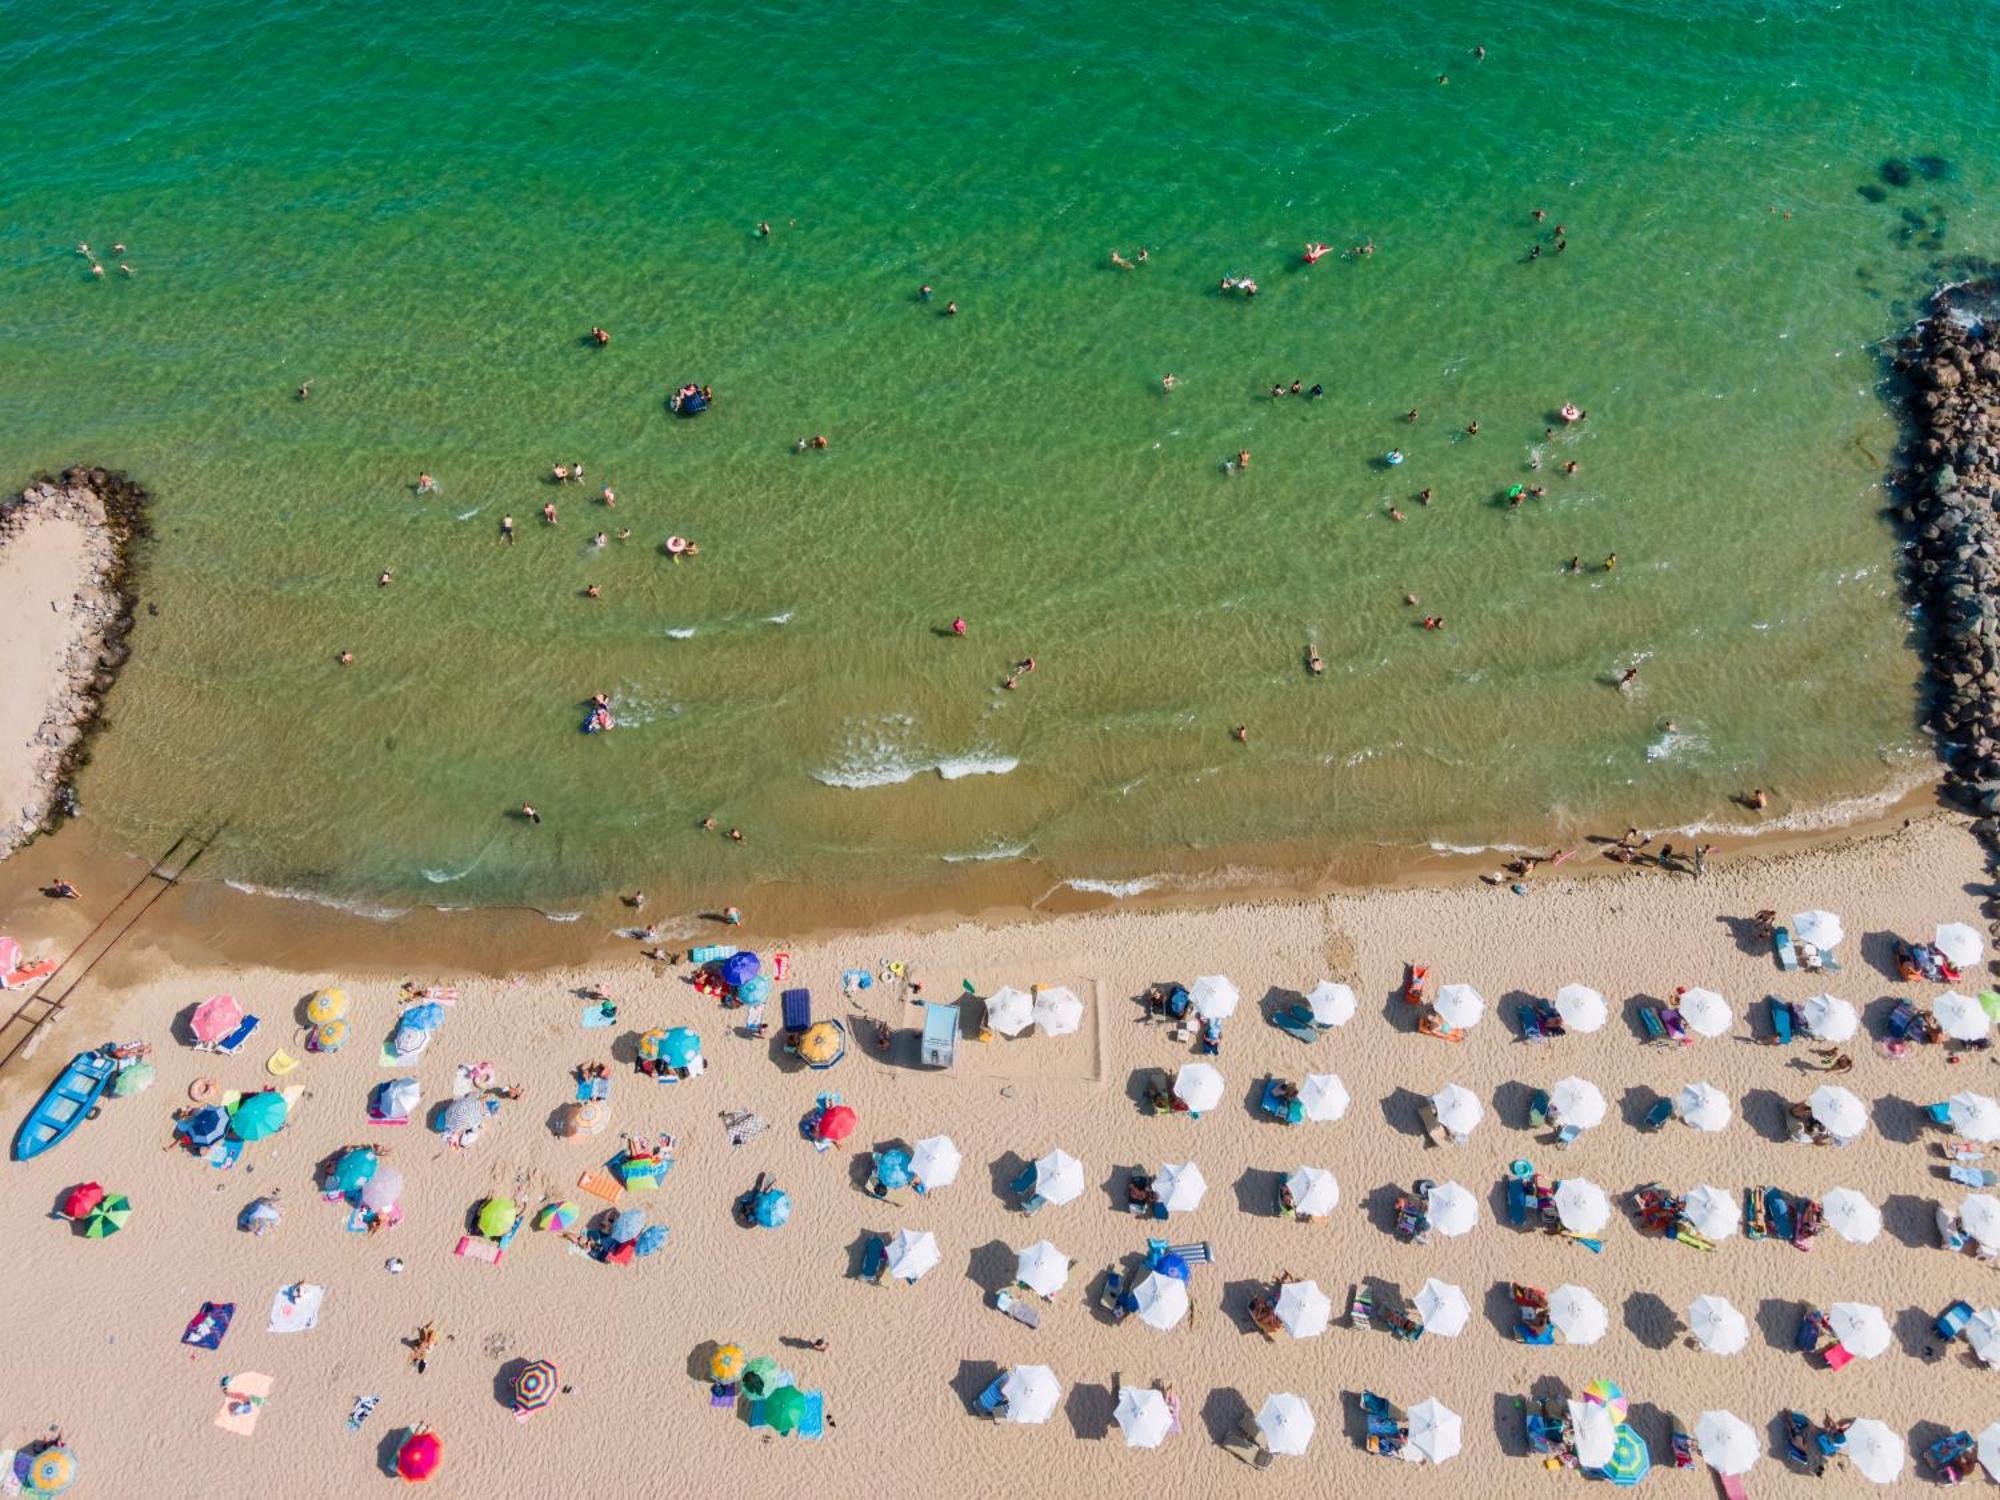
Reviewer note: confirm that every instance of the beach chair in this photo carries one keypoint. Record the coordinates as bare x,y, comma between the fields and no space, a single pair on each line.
1661,1112
1798,1431
1538,1109
1288,1109
232,1044
1951,1322
1111,1298
990,1401
1682,1442
1938,1115
874,1258
1517,1202
1943,1455
1412,1222
1778,1209
1246,1446
1677,1028
1782,1020
1427,1118
1896,1025
1838,1357
1655,1028
1538,1332
796,1007
1788,955
1197,1254
1972,1177
1020,1311
1567,1136
1530,1018
1297,1022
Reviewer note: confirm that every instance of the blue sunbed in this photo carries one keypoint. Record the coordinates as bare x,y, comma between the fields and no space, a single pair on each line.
1659,1114
1782,1021
1298,1022
989,1399
1656,1029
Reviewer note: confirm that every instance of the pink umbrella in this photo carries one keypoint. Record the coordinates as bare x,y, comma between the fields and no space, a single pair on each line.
215,1018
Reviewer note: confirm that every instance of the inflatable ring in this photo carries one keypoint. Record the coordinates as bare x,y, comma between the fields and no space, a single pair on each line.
1393,457
676,545
204,1091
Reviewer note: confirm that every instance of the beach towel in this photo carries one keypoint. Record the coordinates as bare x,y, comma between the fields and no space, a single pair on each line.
206,1328
599,1014
363,1407
248,1389
601,1185
296,1308
473,1248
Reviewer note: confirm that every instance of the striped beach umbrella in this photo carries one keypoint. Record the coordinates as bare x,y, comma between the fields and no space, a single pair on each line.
534,1387
823,1045
1631,1460
558,1218
108,1217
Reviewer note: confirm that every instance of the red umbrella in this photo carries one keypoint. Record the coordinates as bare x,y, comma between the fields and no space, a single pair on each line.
418,1459
622,1255
836,1123
81,1200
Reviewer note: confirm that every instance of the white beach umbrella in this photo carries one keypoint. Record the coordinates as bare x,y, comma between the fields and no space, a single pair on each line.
400,1097
1861,1327
1314,1191
1850,1215
1727,1442
1453,1209
1143,1415
1162,1301
1820,928
1581,1008
1442,1308
1031,1393
1323,1096
1010,1011
1578,1102
1843,1115
1304,1309
1198,1086
1989,1450
1460,1005
911,1253
1979,1216
1214,997
1703,1105
1042,1268
1180,1187
1435,1430
1058,1177
1717,1326
1878,1452
1982,1332
1458,1108
1713,1211
1961,945
1596,1432
934,1161
1581,1205
1332,1004
1706,1012
1974,1116
1577,1315
1058,1012
1963,1018
1286,1424
1829,1018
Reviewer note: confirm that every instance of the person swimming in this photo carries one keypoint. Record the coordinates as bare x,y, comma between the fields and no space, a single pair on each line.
1316,251
600,336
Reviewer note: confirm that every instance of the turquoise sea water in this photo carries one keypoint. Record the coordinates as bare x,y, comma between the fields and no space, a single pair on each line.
423,213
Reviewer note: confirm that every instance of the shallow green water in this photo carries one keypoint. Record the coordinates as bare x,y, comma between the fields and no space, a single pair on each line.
424,216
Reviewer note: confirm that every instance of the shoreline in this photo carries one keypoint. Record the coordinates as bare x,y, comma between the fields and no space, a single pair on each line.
76,533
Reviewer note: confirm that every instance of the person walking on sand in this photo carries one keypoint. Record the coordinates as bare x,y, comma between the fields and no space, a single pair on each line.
818,1346
421,1346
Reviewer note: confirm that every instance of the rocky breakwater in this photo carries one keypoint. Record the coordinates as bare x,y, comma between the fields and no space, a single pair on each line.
69,544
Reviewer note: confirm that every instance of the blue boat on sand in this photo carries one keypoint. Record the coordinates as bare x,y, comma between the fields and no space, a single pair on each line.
69,1099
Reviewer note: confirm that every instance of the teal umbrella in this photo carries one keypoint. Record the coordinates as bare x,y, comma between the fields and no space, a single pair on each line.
680,1047
258,1116
760,1375
1630,1459
784,1408
354,1168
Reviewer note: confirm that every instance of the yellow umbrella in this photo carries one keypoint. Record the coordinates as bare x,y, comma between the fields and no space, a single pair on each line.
728,1362
823,1044
326,1005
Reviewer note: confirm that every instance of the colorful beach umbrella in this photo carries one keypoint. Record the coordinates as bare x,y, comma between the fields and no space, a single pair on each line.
259,1115
681,1047
760,1376
755,990
326,1005
1214,996
1331,1004
1303,1309
1314,1191
419,1457
1631,1460
329,1037
133,1078
535,1386
1453,1210
1716,1325
427,1016
727,1363
108,1217
772,1208
1861,1327
1435,1430
1460,1006
1030,1393
1577,1315
1058,1177
1042,1268
1850,1215
1820,928
1010,1011
1581,1008
1829,1018
215,1018
650,1043
823,1045
1876,1450
934,1162
81,1199
1143,1415
912,1253
1458,1109
588,1117
1180,1187
1842,1115
1961,945
1161,1301
1286,1424
205,1126
785,1408
1703,1106
1199,1086
1058,1011
892,1168
1607,1394
1706,1013
836,1123
354,1167
558,1218
384,1190
1323,1097
463,1114
497,1216
1727,1442
1974,1116
1713,1212
1442,1308
51,1471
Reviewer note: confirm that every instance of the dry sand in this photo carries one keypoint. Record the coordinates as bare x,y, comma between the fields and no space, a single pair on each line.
47,565
95,1324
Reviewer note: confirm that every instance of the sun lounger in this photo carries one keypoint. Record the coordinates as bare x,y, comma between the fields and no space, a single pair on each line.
1297,1022
1427,1117
1838,1357
1677,1027
1898,1022
1951,1322
589,1090
1798,1430
602,1185
990,1401
1517,1202
230,1045
1538,1333
474,1248
1020,1311
1112,1298
1248,1449
1782,1020
1412,1222
1788,956
1943,1455
1197,1254
1567,1136
1538,1109
874,1258
812,1420
1531,1023
1025,1182
1732,1487
1661,1112
1649,1018
1360,1307
1778,1208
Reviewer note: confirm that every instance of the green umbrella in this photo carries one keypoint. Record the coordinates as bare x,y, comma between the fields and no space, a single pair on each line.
784,1407
108,1217
757,1375
132,1079
497,1216
1630,1459
1989,1001
258,1116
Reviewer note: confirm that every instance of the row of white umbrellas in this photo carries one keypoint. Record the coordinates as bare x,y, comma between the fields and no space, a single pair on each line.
1876,1450
1055,1009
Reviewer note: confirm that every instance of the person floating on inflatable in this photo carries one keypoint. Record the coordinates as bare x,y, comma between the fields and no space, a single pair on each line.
1393,457
1570,412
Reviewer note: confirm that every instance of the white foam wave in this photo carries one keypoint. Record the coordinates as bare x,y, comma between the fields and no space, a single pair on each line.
979,856
681,633
353,906
1118,888
562,916
859,773
1835,814
1439,846
976,765
783,619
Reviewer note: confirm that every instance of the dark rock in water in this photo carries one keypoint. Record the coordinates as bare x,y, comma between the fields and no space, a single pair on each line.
1896,172
1873,192
1934,168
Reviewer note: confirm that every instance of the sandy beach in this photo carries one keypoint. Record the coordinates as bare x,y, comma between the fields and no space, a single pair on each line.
101,1353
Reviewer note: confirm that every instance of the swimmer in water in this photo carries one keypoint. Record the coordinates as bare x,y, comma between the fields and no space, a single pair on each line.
600,337
1242,458
84,250
951,309
1631,676
96,269
125,270
924,292
625,533
763,231
385,580
1433,622
1574,565
1313,663
1242,734
1472,429
426,485
819,440
1277,391
610,499
560,473
1120,261
1570,467
1297,386
1424,496
592,591
1540,215
1410,415
599,540
305,390
1145,255
1317,391
1396,515
549,514
507,527
1169,381
1611,562
346,658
